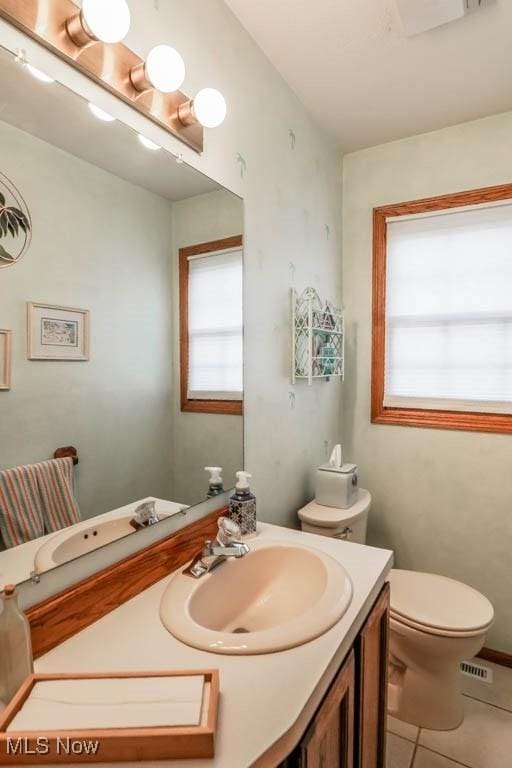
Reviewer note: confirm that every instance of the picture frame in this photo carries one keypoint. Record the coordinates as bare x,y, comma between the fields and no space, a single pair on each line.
57,333
5,359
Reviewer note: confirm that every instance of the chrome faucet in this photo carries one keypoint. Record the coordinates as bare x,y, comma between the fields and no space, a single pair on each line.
227,544
145,515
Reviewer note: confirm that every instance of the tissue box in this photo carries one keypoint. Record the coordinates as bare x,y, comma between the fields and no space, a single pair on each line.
336,486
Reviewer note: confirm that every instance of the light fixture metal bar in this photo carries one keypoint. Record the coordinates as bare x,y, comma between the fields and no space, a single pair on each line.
108,65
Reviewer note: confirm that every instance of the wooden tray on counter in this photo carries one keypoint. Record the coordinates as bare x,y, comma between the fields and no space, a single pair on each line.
113,744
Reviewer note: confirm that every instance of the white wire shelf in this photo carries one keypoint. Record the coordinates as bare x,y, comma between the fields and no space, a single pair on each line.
317,337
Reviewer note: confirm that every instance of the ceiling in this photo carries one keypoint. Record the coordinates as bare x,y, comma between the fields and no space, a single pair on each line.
60,117
366,82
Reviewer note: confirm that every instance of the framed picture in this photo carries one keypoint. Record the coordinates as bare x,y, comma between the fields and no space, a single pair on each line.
57,333
5,359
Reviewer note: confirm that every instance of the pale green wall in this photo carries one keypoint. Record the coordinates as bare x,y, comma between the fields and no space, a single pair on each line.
441,499
202,439
102,244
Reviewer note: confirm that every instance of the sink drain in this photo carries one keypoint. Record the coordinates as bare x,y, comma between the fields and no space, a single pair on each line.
240,630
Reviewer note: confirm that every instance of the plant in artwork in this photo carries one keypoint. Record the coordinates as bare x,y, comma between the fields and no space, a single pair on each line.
13,223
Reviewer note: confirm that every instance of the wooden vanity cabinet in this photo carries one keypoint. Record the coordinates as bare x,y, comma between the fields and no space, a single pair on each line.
329,740
349,727
372,685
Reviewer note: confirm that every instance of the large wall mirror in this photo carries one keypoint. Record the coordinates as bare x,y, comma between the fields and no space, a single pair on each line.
121,329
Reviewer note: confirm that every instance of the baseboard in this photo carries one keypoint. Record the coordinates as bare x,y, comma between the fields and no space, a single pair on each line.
497,657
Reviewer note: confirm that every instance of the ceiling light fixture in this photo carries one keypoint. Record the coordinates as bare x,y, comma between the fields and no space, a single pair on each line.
100,113
107,21
39,75
148,143
208,108
164,70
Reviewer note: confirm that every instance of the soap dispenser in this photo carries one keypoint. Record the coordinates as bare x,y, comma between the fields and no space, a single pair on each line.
16,661
215,482
242,505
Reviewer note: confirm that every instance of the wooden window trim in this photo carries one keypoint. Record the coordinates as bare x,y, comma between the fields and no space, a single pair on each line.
229,407
477,421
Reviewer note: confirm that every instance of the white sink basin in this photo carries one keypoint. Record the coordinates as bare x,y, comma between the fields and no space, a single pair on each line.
84,537
277,596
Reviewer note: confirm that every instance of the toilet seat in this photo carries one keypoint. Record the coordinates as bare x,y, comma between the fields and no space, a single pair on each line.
438,605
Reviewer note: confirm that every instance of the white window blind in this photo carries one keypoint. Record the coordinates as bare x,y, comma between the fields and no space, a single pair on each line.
215,326
449,310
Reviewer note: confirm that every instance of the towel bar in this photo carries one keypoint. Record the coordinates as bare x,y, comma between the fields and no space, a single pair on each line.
63,453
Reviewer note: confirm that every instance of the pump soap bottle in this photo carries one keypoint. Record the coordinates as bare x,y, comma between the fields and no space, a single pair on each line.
215,482
16,662
242,505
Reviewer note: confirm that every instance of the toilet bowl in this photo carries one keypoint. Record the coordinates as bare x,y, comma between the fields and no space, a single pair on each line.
435,623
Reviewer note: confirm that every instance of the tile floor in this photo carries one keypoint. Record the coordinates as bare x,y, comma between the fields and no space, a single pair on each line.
484,740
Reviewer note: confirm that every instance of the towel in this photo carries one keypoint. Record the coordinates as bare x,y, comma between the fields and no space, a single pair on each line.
55,484
21,513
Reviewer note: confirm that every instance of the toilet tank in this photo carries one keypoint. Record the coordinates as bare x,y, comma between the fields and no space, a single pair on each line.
344,524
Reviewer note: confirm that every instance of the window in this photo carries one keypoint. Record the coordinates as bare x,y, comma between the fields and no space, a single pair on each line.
211,327
442,312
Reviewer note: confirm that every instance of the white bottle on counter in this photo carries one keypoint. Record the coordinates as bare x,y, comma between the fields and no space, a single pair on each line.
16,661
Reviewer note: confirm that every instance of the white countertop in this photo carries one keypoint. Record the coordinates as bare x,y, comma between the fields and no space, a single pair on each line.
266,700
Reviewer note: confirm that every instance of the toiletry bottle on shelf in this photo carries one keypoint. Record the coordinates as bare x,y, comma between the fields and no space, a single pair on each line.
16,662
215,482
242,505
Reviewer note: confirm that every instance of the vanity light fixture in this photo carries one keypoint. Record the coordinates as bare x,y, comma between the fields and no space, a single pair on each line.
100,113
164,70
39,75
208,108
148,143
90,39
107,21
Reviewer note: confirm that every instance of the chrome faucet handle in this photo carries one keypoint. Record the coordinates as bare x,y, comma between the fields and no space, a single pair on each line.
228,532
145,514
227,544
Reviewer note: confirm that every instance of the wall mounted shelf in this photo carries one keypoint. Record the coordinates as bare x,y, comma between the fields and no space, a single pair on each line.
318,337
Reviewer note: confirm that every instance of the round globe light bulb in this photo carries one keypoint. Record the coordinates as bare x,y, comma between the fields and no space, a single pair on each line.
148,143
165,68
39,75
107,20
101,114
210,107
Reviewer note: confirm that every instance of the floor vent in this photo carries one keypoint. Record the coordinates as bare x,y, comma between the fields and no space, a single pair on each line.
477,671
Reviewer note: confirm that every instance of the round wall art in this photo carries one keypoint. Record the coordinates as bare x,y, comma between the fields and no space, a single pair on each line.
15,224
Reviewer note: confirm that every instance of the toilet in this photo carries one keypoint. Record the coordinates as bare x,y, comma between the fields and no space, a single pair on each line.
346,524
435,623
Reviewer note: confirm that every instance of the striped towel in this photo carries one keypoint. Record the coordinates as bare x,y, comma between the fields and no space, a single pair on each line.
55,484
21,513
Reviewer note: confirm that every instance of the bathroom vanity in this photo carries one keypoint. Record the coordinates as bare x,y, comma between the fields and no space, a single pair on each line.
321,703
349,727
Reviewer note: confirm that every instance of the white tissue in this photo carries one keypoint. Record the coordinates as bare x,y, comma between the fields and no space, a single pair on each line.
336,458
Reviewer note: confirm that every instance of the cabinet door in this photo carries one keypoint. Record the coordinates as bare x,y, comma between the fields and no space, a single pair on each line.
329,741
372,680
